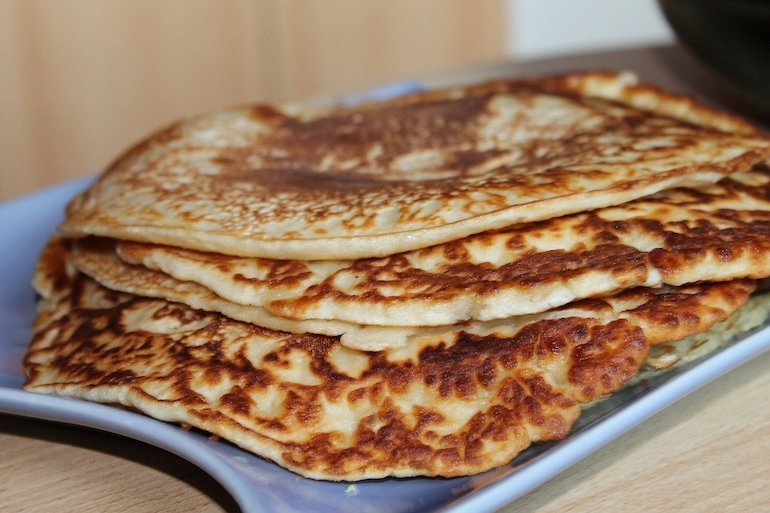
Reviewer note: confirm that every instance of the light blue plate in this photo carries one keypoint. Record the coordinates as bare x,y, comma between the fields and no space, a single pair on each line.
260,486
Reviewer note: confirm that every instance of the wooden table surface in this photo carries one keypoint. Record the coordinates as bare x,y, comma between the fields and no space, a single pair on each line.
710,452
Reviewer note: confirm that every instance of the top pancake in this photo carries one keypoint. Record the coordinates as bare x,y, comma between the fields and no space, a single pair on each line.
409,173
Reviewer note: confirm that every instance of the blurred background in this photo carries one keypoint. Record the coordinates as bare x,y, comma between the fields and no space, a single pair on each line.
83,79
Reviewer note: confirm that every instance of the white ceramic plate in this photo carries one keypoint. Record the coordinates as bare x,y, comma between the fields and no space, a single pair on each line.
260,486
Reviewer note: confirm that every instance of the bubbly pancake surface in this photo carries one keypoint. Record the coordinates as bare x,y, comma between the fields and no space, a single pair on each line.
666,314
712,233
449,404
410,173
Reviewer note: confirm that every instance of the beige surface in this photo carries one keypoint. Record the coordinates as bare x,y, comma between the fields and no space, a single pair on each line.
52,467
83,79
709,452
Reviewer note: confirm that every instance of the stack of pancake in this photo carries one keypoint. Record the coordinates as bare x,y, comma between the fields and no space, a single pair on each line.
422,286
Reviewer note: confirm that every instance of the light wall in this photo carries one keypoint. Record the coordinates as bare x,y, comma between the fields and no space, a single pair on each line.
544,28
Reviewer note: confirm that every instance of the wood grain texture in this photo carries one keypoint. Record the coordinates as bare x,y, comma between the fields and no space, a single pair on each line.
362,44
77,469
84,79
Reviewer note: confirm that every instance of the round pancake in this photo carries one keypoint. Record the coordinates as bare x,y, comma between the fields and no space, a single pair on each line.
666,314
714,233
410,173
457,405
454,404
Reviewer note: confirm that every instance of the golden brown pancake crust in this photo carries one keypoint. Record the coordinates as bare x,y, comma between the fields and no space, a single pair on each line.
713,233
410,173
450,405
666,314
458,406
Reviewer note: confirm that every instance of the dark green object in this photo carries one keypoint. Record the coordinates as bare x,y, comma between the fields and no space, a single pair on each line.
730,36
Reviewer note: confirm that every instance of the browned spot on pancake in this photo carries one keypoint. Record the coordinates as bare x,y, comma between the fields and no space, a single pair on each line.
306,180
292,157
236,401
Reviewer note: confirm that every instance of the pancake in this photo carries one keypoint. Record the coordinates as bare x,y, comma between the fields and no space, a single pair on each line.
384,178
714,233
424,286
667,355
97,259
451,405
665,314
